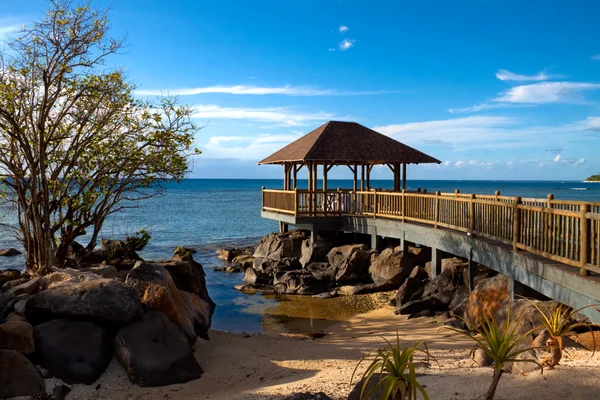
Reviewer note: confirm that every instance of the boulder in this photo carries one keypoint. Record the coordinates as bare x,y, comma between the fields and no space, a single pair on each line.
269,266
418,256
200,313
277,246
9,252
117,253
589,340
243,261
366,288
481,358
17,334
315,251
417,306
447,282
254,277
102,301
322,271
489,296
18,376
29,287
351,262
229,255
390,267
158,291
308,396
74,351
103,270
299,282
156,352
458,305
413,286
8,275
189,276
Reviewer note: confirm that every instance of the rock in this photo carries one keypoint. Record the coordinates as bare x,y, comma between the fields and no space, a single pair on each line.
416,306
200,313
315,251
457,324
458,305
590,340
254,277
489,296
268,266
413,286
102,301
351,262
8,275
322,271
230,254
366,288
18,376
481,358
5,299
243,261
117,253
158,291
74,351
300,282
9,252
17,334
30,287
390,267
326,295
60,392
104,270
375,392
277,246
419,256
156,352
20,306
189,276
447,282
308,396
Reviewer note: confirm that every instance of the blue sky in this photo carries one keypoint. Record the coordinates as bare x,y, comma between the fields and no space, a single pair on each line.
495,89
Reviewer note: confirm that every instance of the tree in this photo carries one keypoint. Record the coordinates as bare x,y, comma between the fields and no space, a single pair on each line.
75,144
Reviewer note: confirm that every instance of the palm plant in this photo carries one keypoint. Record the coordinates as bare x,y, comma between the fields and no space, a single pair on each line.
394,365
559,322
503,344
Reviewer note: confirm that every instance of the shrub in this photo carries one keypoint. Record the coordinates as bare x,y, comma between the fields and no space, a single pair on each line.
138,240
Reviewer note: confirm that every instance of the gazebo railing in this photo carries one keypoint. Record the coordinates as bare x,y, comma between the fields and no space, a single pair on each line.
561,230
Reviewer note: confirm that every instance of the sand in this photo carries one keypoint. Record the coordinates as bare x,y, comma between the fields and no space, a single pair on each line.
269,366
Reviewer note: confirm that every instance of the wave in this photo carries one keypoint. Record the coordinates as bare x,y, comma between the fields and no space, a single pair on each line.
577,188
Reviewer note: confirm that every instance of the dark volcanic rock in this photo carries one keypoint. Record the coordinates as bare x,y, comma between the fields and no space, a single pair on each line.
9,252
315,251
103,301
417,306
9,275
299,282
277,246
390,267
308,396
489,296
74,351
18,376
17,334
447,282
413,286
254,277
351,262
322,271
156,352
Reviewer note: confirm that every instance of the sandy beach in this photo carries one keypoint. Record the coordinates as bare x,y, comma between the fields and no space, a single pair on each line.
270,366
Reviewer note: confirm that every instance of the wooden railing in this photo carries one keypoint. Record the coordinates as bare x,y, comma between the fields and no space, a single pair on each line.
561,230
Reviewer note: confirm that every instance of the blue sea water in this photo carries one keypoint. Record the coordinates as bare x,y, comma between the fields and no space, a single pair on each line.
210,213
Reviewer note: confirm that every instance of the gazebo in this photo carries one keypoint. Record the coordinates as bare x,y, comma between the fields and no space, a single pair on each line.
349,144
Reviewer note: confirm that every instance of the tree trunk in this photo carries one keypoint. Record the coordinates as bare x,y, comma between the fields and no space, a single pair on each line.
492,390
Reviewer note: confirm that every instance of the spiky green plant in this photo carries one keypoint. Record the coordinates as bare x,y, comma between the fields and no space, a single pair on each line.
559,321
396,370
501,343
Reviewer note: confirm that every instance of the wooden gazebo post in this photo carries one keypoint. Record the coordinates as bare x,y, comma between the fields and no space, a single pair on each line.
403,175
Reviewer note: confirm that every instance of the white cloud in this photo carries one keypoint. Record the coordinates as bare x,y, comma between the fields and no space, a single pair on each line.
580,161
347,44
331,49
487,106
245,148
546,92
557,158
505,75
591,123
287,90
7,28
343,28
279,115
595,57
459,163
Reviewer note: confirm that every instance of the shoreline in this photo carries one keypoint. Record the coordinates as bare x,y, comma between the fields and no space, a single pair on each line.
271,366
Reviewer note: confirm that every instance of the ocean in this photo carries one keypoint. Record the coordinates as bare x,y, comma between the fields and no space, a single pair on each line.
211,213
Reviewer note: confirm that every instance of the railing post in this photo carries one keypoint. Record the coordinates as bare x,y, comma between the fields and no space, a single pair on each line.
296,201
339,202
437,209
263,198
403,204
516,223
471,214
584,224
497,194
376,205
550,198
456,192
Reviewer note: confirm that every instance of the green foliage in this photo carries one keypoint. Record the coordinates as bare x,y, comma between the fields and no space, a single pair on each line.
396,369
182,251
594,178
138,240
76,145
503,344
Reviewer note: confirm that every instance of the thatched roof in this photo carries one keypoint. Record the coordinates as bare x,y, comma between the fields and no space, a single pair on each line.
347,142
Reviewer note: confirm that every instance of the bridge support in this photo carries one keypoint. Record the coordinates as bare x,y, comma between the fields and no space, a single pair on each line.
436,261
283,227
472,271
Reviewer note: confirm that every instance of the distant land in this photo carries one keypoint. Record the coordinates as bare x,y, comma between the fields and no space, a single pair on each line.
593,178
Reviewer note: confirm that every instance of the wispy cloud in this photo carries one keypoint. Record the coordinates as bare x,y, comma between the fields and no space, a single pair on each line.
278,115
487,106
343,28
505,75
556,150
245,148
595,57
287,90
6,29
347,44
547,92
